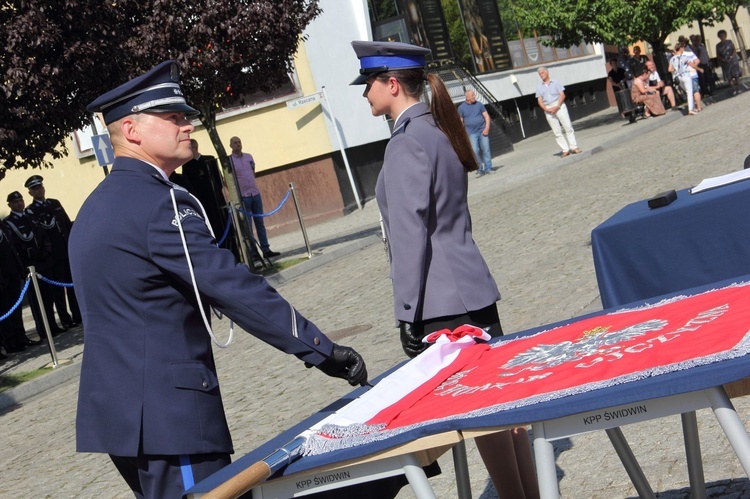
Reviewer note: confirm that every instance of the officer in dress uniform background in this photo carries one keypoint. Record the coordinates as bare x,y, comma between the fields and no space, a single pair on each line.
34,248
50,216
12,274
149,393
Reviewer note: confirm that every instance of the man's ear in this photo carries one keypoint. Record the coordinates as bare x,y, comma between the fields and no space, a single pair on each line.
130,129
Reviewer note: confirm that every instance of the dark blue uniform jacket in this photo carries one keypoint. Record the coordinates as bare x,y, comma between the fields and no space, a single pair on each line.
148,379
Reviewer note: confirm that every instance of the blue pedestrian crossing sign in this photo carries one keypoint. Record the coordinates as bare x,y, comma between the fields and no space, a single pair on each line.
103,149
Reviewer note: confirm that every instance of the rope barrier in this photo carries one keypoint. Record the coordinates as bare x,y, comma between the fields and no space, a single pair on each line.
18,302
226,229
70,284
259,215
55,283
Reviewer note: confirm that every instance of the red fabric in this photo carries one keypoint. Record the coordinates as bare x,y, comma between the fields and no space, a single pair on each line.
594,352
459,332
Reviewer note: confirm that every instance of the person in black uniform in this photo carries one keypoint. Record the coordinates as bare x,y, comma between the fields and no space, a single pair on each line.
147,271
34,248
50,216
203,174
12,274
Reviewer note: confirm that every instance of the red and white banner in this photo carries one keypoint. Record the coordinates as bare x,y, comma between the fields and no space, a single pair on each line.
463,378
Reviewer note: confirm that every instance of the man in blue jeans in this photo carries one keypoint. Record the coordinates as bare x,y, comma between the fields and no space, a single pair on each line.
244,168
476,120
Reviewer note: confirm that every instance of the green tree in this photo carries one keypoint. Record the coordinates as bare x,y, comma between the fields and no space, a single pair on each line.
58,56
54,61
718,10
226,50
614,22
457,33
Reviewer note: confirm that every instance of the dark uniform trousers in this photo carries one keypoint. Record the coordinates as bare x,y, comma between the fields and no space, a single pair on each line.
167,476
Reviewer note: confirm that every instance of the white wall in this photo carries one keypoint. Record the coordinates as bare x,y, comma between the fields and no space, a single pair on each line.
567,72
334,66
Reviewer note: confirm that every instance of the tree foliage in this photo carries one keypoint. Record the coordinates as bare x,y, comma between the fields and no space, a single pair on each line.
457,33
58,56
719,9
50,55
614,22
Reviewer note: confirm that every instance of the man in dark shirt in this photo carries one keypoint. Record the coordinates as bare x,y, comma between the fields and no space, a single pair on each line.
637,62
202,172
616,75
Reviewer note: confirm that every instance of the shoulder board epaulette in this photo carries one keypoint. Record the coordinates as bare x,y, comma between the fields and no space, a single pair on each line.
401,128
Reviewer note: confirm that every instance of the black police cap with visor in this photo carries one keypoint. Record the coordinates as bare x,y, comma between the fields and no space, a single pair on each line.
33,181
14,195
157,91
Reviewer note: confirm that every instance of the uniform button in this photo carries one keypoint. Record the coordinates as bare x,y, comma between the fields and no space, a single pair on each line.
407,306
316,341
205,384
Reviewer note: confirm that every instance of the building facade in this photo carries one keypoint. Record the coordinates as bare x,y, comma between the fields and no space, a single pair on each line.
318,132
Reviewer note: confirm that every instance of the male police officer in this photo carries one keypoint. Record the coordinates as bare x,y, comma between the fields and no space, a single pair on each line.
50,216
34,248
12,273
146,266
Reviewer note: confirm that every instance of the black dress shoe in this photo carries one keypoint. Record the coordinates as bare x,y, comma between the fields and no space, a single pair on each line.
30,342
3,356
17,349
271,254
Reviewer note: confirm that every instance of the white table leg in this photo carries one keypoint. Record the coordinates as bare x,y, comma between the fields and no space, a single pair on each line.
731,424
417,478
546,472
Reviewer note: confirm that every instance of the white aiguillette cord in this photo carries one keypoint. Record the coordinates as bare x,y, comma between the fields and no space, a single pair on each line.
192,273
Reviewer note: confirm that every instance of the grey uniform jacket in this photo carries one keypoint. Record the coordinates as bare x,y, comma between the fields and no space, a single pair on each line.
436,267
148,380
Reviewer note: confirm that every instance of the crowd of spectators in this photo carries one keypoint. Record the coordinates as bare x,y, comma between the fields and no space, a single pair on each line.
690,76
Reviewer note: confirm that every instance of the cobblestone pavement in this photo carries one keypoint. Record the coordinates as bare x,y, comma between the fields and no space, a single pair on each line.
532,220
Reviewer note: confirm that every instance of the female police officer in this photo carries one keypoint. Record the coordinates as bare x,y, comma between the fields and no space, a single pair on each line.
440,279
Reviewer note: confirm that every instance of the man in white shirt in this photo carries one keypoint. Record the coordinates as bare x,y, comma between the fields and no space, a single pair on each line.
551,97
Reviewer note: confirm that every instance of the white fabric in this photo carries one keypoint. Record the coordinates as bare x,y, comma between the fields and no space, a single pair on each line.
395,386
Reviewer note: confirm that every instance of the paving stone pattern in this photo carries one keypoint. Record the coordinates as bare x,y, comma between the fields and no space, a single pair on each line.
532,220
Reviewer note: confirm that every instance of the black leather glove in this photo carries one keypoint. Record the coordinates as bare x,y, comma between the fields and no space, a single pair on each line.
411,338
345,362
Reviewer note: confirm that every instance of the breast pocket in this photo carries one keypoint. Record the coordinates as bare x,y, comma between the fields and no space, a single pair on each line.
193,375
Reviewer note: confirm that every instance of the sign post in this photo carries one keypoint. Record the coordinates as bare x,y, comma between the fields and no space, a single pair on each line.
343,152
303,101
309,99
105,155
